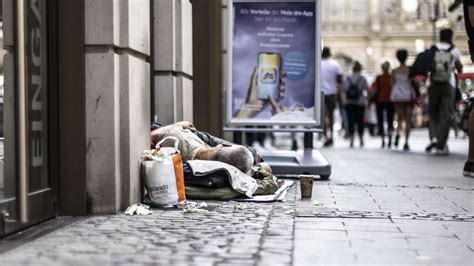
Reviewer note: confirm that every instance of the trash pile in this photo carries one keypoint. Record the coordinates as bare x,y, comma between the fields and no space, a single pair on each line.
183,164
168,182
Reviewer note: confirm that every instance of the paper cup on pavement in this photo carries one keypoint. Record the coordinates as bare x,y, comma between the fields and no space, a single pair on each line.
306,184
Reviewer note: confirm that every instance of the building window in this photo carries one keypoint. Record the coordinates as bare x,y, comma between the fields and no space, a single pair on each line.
360,14
389,10
337,10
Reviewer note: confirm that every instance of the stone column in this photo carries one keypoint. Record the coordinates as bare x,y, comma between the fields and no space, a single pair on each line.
375,41
172,61
117,40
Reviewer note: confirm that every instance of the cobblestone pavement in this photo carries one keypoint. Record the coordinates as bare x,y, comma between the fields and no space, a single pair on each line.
260,233
380,207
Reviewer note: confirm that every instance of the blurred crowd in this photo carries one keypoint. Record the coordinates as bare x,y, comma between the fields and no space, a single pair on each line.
431,93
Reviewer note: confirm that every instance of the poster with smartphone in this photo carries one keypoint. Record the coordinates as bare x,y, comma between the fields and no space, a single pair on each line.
273,61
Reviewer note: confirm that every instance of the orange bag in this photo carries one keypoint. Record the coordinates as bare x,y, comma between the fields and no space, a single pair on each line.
178,172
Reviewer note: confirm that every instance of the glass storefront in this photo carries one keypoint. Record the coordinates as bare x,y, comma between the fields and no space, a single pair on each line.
26,189
2,112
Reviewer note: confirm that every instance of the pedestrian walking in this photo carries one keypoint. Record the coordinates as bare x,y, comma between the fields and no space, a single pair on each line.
355,88
381,89
446,59
331,79
403,97
469,21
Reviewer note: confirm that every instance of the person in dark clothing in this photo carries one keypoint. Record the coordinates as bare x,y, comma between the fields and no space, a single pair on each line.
382,88
355,87
469,20
441,91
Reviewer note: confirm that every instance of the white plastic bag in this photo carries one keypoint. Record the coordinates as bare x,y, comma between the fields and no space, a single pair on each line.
160,181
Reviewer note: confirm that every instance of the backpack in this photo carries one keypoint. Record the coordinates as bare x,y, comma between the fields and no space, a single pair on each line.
441,69
353,92
423,62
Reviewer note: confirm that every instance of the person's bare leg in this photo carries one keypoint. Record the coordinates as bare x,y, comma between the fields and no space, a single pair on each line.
265,166
408,117
207,153
399,125
400,119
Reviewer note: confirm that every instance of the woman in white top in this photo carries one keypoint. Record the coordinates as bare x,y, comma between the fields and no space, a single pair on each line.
403,96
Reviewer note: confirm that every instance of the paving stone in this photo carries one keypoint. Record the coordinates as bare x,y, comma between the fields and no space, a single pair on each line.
324,257
320,225
321,234
382,243
400,257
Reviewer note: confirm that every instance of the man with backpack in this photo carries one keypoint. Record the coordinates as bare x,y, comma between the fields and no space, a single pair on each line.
445,60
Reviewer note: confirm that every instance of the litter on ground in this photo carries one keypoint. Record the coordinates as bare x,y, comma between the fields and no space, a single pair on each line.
138,209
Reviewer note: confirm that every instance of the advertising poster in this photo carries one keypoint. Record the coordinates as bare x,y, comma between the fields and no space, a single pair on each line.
273,63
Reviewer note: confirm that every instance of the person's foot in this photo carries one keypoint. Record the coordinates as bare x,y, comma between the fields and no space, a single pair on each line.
468,169
362,144
406,147
397,139
383,144
328,143
389,142
430,147
442,152
351,144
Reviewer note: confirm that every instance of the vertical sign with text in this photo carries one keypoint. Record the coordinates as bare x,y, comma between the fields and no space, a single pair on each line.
273,66
36,93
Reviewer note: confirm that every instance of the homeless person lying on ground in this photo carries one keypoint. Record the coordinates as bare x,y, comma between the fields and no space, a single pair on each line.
215,168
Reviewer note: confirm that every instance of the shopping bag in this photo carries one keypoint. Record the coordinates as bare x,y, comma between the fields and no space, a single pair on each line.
159,178
177,163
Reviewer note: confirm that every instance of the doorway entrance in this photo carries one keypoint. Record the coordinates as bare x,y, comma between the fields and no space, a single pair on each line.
28,190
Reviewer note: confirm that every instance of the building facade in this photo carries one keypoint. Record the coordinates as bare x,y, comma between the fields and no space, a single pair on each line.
82,81
370,31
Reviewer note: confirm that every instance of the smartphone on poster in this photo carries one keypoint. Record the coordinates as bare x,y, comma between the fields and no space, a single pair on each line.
268,66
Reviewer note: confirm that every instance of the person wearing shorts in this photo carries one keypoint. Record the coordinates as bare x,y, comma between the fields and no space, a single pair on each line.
403,97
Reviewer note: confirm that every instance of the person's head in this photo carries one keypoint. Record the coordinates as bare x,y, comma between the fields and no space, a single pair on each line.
402,55
357,67
326,52
385,67
446,36
235,155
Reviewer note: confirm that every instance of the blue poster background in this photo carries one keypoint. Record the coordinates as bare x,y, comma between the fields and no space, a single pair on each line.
284,28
